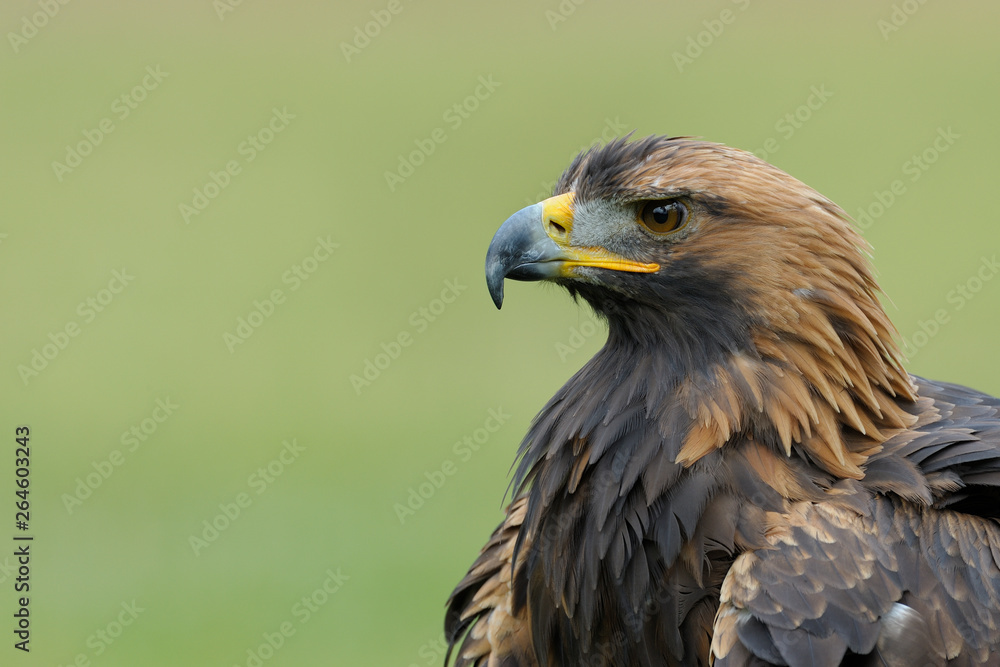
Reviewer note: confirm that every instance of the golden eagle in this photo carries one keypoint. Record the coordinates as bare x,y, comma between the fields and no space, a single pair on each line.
744,474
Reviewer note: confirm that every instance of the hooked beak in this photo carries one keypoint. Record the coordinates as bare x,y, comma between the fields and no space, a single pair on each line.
534,244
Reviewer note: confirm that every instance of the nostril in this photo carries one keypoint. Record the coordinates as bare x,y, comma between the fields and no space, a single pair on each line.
556,228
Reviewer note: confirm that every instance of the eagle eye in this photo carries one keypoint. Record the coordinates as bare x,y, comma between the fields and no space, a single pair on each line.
663,216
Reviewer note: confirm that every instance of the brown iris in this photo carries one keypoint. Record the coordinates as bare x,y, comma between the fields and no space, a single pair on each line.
663,216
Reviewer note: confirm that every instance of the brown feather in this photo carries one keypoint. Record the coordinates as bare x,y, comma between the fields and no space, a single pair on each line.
494,634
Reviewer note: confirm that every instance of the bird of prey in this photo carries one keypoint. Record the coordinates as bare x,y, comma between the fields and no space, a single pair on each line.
744,474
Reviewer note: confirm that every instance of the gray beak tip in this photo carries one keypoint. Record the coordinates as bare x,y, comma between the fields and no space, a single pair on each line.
518,251
496,290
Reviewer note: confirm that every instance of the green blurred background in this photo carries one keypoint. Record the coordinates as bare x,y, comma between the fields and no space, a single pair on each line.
561,76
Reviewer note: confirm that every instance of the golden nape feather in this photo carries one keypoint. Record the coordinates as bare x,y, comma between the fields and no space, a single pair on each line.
744,474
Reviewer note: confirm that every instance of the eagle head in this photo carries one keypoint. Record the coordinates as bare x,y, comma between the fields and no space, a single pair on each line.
729,267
